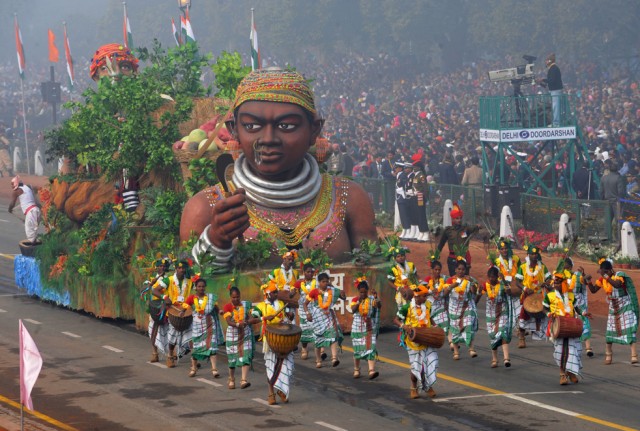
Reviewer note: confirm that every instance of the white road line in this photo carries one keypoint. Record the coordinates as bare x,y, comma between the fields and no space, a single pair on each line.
14,294
442,400
113,349
543,406
266,403
209,382
157,364
2,311
333,427
35,322
3,220
72,335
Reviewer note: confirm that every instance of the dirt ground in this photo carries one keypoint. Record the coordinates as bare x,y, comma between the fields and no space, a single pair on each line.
419,252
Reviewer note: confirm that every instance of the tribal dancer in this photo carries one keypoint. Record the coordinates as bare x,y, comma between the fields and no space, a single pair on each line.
158,323
622,323
364,328
463,315
326,328
304,286
239,342
279,370
286,275
560,302
508,264
401,274
499,315
576,284
531,279
423,360
436,284
206,332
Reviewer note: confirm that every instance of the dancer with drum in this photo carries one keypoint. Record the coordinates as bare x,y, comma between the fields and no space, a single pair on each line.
158,323
303,287
365,326
436,284
499,314
463,315
206,332
531,279
273,311
508,264
423,359
239,340
286,275
622,322
566,328
175,290
576,284
401,274
326,328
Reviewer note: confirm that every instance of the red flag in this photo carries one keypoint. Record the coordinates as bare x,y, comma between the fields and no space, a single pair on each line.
19,48
30,366
54,55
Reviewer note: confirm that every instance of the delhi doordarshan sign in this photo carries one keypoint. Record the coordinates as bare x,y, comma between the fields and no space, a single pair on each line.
518,135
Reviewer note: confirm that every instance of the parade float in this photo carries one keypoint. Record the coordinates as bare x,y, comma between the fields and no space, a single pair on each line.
161,130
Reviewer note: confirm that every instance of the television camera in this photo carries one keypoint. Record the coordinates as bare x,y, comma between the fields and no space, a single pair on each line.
518,75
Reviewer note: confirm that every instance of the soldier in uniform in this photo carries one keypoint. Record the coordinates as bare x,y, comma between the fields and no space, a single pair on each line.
421,191
457,236
402,201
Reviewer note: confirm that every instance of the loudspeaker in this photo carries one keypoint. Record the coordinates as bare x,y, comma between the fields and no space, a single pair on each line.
491,201
510,195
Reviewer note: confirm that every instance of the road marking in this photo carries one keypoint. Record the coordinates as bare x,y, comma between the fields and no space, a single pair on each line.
14,294
72,335
113,349
333,427
513,397
2,311
35,322
8,256
209,382
6,221
39,415
442,400
157,364
266,403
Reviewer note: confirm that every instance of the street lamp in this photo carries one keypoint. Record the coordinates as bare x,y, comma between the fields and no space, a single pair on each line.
184,5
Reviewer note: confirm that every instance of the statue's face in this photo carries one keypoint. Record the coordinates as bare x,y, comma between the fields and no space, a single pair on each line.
275,137
114,68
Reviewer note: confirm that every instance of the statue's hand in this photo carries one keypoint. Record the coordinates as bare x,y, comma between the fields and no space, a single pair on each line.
229,219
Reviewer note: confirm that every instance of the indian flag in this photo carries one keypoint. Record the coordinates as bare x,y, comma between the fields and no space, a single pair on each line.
255,51
67,54
190,37
126,29
19,49
176,34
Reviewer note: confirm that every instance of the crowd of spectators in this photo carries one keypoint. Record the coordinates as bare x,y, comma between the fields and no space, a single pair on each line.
384,109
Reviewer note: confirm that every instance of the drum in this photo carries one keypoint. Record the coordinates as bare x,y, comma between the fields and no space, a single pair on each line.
181,323
566,327
283,338
533,305
430,337
283,295
156,308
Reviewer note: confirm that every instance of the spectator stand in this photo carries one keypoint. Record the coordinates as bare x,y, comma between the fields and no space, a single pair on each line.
510,122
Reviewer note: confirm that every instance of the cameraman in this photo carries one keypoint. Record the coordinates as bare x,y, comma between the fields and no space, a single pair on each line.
554,83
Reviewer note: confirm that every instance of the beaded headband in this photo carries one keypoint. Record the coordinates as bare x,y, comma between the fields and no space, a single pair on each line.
275,85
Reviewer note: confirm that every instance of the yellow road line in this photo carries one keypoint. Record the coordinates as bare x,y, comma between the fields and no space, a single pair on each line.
39,415
498,392
8,256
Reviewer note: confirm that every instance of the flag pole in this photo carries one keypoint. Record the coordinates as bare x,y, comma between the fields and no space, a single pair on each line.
24,123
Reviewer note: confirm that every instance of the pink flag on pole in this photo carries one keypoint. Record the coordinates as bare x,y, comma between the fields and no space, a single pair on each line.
30,366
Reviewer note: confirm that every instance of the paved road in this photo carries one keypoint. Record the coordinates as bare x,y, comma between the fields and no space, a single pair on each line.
96,376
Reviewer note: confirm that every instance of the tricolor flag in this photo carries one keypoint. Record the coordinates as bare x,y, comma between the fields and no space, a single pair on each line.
255,51
54,54
189,36
126,29
67,54
30,365
183,29
19,49
176,34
